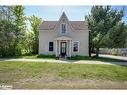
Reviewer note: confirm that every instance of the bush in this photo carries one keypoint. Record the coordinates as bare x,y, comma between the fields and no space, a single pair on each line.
77,57
46,56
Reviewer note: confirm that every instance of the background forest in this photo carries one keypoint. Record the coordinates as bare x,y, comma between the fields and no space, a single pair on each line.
15,38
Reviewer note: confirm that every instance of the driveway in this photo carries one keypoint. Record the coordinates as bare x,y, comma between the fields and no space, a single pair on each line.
65,61
113,57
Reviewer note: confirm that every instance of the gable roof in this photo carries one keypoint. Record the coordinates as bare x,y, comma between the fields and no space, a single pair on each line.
77,25
47,25
50,25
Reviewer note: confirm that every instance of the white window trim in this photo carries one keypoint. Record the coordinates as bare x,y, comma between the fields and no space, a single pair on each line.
61,28
48,46
78,46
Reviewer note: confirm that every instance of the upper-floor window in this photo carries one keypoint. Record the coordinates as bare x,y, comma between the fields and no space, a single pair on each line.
63,28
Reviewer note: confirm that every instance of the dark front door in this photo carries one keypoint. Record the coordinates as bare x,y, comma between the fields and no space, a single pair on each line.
63,48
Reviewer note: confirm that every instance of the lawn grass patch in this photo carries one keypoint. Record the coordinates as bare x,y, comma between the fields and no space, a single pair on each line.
13,71
58,75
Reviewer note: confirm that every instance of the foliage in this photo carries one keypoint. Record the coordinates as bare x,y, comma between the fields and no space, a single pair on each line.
28,43
46,56
115,51
6,13
19,17
7,38
35,22
117,36
102,22
15,38
19,21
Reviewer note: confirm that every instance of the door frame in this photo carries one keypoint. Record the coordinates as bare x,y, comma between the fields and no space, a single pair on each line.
65,49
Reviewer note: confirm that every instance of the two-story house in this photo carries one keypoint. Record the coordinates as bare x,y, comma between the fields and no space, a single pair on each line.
64,37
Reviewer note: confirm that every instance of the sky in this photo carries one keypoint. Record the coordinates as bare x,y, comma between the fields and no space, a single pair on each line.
74,13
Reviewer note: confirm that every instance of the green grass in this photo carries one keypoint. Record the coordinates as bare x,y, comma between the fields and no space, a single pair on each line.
13,71
58,75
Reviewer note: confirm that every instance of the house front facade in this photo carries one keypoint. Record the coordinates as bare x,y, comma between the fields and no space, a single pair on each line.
64,37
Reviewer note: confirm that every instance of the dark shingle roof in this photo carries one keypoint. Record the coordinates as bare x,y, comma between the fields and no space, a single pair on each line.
77,25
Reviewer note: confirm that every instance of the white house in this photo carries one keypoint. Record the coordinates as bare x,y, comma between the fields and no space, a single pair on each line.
64,37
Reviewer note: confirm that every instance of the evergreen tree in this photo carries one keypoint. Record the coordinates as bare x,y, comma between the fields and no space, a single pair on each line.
101,22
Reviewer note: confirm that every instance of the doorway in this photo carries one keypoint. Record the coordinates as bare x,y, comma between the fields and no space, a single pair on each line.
63,49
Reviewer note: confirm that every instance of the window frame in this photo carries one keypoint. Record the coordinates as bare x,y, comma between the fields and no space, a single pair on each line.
78,46
65,28
50,46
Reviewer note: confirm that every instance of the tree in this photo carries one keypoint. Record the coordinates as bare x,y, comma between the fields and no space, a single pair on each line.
35,22
7,38
101,22
6,13
117,36
28,43
19,20
7,31
15,39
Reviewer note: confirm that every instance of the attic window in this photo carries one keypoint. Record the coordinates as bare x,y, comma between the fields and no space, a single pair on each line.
63,28
63,20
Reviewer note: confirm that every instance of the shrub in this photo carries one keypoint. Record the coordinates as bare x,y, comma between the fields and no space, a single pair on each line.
115,52
46,56
77,57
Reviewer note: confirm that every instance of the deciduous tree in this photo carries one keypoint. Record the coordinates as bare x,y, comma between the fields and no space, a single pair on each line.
35,22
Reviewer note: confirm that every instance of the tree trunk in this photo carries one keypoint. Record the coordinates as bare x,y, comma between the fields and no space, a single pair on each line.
92,50
97,52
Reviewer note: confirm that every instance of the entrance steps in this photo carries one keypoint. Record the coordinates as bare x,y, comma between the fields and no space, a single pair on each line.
63,58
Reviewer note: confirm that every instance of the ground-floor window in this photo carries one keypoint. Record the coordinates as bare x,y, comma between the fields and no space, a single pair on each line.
50,46
75,46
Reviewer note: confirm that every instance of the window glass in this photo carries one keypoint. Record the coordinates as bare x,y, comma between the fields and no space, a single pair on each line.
50,46
75,46
63,27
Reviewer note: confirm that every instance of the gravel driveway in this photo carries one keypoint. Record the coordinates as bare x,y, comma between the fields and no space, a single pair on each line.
64,61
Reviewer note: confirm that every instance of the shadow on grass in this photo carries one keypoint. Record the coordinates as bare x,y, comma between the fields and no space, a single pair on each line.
93,58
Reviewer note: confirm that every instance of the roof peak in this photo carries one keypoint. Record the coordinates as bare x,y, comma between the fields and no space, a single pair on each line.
64,14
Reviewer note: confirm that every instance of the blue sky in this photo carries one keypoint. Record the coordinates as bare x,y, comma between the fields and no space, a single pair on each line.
73,12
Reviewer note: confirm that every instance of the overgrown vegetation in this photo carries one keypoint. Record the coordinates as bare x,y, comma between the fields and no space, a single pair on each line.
46,56
15,36
33,56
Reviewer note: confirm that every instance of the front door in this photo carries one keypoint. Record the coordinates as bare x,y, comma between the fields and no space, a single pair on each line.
63,48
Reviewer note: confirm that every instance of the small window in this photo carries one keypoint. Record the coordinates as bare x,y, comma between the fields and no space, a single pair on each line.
75,46
50,46
63,27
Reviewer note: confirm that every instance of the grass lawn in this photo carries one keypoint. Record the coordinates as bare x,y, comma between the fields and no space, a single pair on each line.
36,75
